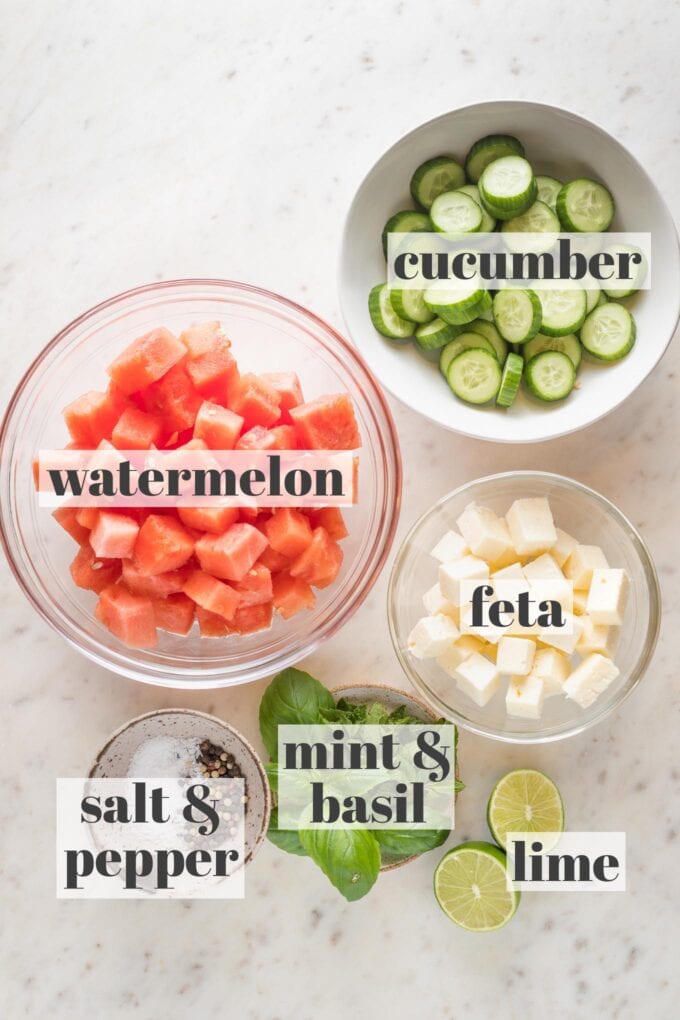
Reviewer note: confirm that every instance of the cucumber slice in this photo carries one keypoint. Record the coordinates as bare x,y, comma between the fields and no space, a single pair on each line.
474,375
585,205
510,380
489,331
568,345
488,221
456,213
463,342
507,187
455,305
563,311
409,304
408,221
538,219
486,150
517,314
609,332
435,334
434,177
639,272
384,317
593,296
548,190
550,375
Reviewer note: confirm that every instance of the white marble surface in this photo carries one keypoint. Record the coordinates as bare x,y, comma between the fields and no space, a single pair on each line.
156,140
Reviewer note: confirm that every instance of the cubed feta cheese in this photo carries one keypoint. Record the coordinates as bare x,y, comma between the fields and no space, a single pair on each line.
597,638
548,583
607,596
579,599
450,546
459,652
486,534
431,636
435,603
478,678
563,547
567,637
487,632
524,697
531,526
469,568
580,565
543,568
552,667
515,655
590,678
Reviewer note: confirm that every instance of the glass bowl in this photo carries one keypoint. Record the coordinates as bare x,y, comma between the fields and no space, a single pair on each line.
269,333
590,518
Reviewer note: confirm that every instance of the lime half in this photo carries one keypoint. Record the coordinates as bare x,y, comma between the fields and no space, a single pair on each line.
471,887
524,800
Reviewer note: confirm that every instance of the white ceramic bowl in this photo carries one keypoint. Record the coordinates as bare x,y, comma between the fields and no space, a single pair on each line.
558,143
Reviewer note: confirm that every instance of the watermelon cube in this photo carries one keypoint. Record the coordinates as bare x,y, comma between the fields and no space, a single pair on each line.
211,594
162,545
214,373
327,423
291,594
319,564
174,400
280,437
114,535
136,430
273,561
330,518
91,573
67,517
213,519
287,385
146,360
129,617
255,587
158,586
249,619
174,613
256,401
199,339
211,624
217,426
87,516
288,532
231,555
92,417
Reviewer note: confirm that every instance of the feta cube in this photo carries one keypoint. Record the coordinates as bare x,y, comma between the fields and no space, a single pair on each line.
478,678
524,697
607,596
531,526
590,678
552,667
450,546
513,572
459,652
579,600
567,637
469,568
486,632
597,638
580,565
563,547
431,636
543,568
435,603
486,534
547,582
515,655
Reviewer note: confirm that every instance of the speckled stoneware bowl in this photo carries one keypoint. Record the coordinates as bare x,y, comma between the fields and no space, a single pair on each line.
114,758
390,697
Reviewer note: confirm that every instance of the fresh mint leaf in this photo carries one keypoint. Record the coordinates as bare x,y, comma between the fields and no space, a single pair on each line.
349,858
293,697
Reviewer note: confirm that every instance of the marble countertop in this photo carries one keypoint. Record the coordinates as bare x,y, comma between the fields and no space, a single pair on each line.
149,141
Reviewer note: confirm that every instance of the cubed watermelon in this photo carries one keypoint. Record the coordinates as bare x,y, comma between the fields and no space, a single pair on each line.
174,400
136,430
129,617
217,426
67,517
273,561
163,544
328,423
156,585
214,373
330,518
231,555
213,519
280,437
291,594
146,360
87,516
211,624
114,535
255,587
92,573
174,613
249,619
287,385
288,532
92,417
204,337
319,564
256,401
211,594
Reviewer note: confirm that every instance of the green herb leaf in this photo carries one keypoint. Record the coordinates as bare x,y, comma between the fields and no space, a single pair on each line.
399,843
285,839
349,858
293,697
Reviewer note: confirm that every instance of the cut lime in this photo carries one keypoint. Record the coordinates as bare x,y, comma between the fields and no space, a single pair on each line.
524,800
471,887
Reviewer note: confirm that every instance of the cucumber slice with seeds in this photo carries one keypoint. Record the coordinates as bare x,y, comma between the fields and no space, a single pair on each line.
434,177
568,345
408,221
550,376
384,317
563,311
638,272
517,314
510,380
486,150
538,219
548,190
436,334
463,342
585,205
409,304
454,212
487,329
507,187
474,375
454,304
488,221
609,332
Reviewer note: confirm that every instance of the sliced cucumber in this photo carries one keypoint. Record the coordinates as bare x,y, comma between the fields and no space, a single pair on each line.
550,375
408,221
548,189
486,150
488,330
538,219
384,317
454,212
507,187
609,332
463,342
517,314
435,334
510,380
563,311
585,205
639,272
568,345
455,304
434,177
593,295
474,375
488,221
410,304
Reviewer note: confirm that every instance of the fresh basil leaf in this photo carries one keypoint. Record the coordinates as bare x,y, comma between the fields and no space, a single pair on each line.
399,843
292,698
285,839
272,770
349,858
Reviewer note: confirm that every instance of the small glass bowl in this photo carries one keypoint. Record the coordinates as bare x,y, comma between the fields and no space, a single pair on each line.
587,516
269,333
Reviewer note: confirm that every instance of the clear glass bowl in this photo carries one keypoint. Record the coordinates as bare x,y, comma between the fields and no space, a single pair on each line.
269,333
586,515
